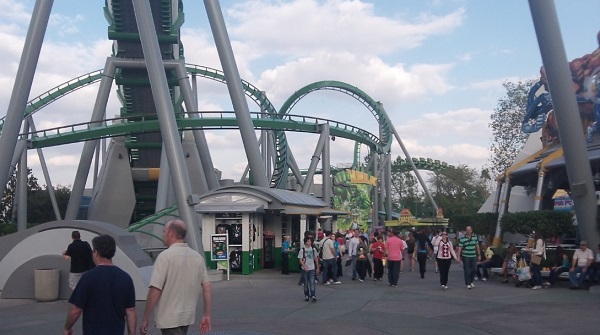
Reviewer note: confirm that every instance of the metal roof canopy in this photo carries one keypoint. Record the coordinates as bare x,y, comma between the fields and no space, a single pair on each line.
248,198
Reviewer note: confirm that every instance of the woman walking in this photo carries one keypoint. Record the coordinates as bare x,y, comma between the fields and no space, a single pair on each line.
424,249
362,259
378,251
444,256
538,251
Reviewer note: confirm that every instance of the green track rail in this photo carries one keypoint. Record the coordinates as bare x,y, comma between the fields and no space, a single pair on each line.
211,120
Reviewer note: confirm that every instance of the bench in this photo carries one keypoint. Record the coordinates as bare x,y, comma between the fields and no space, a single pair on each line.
545,274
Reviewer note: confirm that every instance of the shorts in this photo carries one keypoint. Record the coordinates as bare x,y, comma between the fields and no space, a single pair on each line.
74,279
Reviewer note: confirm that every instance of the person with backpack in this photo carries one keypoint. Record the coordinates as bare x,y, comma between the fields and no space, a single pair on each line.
410,249
309,263
424,249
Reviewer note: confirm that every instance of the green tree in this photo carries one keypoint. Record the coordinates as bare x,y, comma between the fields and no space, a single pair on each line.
508,139
459,190
8,198
39,205
405,191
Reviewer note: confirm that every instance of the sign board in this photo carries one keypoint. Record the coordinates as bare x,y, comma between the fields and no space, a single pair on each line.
219,247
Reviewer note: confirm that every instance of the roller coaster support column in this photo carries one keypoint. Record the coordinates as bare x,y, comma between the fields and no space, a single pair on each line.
164,181
568,120
22,187
310,174
87,153
504,198
375,207
166,120
234,85
295,169
191,104
388,187
412,164
22,87
537,203
326,169
46,175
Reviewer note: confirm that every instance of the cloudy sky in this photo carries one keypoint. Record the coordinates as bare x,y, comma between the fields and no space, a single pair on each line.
437,67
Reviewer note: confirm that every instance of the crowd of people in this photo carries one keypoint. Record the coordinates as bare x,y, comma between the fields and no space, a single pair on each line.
361,255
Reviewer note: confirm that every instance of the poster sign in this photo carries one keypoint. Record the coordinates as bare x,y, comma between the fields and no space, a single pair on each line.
219,248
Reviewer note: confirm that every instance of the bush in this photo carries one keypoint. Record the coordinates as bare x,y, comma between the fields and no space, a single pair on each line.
548,223
7,228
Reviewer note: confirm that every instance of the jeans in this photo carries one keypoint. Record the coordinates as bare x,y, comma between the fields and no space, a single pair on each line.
378,268
309,283
554,273
484,267
338,262
577,281
536,271
393,272
444,267
285,261
469,268
329,264
354,267
422,259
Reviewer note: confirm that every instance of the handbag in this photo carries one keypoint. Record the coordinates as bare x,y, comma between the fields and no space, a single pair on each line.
523,271
535,259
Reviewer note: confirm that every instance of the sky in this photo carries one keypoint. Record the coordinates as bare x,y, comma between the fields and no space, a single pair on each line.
437,66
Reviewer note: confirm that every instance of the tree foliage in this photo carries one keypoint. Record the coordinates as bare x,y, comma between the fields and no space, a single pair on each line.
508,139
39,205
482,223
459,190
405,190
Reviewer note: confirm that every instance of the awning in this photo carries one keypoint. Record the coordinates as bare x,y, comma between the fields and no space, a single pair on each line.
230,208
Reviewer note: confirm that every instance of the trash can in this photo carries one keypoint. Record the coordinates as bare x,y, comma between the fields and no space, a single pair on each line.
46,284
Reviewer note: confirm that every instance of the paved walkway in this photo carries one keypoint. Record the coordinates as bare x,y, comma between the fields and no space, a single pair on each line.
270,303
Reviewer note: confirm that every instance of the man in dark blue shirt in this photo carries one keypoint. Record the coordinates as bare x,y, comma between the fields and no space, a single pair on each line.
105,295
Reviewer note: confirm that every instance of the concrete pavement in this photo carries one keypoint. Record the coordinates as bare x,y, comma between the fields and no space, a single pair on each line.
270,303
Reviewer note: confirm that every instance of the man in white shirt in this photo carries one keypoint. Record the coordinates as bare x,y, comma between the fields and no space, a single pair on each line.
582,259
329,261
352,245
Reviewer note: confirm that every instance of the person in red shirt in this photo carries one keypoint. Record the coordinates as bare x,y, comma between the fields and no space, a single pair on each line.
378,251
394,248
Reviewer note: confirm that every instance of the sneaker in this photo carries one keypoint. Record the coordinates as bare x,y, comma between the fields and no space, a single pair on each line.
472,285
326,283
313,298
306,298
476,278
337,282
436,270
445,287
394,285
505,280
360,280
330,280
547,284
484,279
537,287
468,287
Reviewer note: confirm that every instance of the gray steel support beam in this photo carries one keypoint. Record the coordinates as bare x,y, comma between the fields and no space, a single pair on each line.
191,104
21,195
412,164
167,122
294,167
51,193
164,180
87,153
326,166
502,209
388,187
22,86
554,58
310,174
238,99
375,205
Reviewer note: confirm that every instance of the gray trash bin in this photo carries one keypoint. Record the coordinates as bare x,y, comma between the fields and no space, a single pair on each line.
46,284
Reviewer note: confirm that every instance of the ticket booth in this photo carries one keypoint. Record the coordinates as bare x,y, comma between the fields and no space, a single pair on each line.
255,219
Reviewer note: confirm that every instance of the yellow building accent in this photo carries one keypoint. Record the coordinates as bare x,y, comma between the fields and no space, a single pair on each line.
359,177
